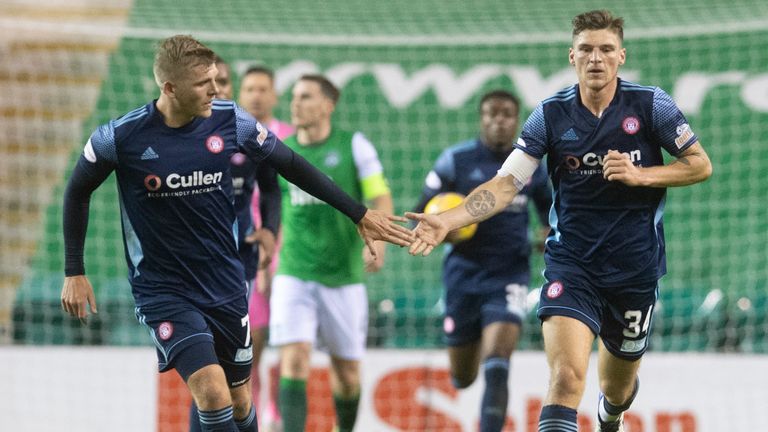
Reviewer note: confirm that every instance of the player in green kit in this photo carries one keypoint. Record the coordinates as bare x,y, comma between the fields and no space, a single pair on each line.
318,296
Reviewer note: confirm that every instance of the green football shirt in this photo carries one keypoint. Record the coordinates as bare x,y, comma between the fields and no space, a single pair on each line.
320,243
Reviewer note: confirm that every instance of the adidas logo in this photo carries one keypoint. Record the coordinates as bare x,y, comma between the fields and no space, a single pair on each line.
477,174
149,154
570,135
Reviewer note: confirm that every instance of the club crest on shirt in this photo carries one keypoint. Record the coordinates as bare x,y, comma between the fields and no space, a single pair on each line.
332,159
631,125
555,289
237,159
215,144
449,325
165,330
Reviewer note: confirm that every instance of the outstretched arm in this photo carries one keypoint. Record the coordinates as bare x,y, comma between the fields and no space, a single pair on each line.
257,142
371,224
485,201
691,166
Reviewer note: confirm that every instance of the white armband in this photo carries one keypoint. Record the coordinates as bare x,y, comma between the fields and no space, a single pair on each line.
519,165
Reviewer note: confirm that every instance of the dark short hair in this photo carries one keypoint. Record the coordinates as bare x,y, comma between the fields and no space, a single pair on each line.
260,70
326,86
499,94
598,20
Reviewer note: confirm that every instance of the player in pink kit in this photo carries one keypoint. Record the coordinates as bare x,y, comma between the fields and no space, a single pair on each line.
258,97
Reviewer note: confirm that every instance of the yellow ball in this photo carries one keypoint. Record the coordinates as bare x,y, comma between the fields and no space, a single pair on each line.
446,201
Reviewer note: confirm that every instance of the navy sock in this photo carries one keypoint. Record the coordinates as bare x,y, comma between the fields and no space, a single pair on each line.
608,412
217,420
493,409
248,424
194,419
557,418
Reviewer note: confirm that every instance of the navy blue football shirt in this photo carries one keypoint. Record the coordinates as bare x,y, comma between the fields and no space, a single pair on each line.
607,231
501,242
246,174
176,198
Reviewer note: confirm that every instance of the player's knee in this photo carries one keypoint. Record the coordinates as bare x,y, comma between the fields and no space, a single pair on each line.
212,399
347,376
618,392
294,363
241,405
295,369
567,380
209,388
350,381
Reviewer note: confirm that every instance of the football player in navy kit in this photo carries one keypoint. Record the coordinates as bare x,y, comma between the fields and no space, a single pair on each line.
255,245
603,138
171,158
486,277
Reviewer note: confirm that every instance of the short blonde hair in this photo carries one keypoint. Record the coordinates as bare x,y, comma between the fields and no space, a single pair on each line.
177,54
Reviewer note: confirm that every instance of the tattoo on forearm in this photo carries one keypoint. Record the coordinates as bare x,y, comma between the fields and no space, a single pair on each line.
480,203
683,160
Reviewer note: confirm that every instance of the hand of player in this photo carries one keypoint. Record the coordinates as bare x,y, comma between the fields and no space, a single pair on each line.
377,225
617,166
76,296
430,232
266,240
264,282
374,263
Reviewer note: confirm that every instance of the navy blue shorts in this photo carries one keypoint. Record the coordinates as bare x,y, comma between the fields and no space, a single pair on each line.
475,297
621,316
184,335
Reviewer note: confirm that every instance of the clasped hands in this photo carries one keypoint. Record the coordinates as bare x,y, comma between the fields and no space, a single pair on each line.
428,233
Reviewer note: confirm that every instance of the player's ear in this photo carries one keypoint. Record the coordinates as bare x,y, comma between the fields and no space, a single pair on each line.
168,89
330,106
622,56
571,58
